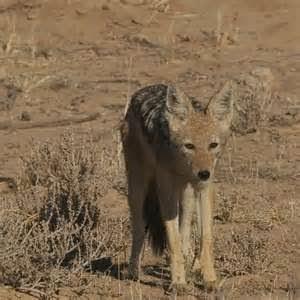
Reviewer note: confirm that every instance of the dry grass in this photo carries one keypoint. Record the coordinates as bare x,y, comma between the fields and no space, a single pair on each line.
54,229
246,253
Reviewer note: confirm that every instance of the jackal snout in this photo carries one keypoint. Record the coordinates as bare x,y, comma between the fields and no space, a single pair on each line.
204,175
200,164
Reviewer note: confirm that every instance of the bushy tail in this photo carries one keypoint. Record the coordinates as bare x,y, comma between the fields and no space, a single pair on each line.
154,224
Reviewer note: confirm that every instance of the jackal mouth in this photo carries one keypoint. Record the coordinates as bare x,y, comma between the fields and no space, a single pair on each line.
198,182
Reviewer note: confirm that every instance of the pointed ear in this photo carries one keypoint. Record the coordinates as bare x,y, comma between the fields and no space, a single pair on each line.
221,105
178,104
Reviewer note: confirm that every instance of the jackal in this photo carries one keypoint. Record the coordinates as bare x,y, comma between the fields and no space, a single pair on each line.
171,145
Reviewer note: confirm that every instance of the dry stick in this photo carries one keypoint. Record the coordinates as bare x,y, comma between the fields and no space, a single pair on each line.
31,291
44,124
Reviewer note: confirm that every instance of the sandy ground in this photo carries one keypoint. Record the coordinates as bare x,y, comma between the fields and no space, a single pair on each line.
80,61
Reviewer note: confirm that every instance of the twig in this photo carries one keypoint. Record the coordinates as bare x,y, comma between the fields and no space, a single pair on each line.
31,291
48,124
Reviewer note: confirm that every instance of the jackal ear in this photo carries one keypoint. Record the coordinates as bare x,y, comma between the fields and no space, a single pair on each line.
178,105
221,105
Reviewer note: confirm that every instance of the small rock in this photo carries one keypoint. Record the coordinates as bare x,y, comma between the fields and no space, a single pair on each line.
142,40
7,185
183,38
25,116
105,7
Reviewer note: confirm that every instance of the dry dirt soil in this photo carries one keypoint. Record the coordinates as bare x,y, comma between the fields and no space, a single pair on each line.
74,63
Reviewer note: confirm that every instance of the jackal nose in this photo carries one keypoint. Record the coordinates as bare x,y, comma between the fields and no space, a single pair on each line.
203,175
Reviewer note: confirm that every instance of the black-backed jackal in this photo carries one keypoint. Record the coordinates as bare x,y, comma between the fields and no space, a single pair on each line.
171,146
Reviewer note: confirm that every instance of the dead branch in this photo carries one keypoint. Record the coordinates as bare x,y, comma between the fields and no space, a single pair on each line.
7,125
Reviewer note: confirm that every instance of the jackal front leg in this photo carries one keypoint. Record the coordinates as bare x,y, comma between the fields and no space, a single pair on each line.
205,263
176,257
169,202
186,216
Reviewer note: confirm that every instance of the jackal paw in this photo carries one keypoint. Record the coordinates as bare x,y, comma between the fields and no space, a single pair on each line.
206,271
209,276
179,289
208,279
210,285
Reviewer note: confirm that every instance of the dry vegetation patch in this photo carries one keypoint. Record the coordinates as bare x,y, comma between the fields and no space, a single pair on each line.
54,228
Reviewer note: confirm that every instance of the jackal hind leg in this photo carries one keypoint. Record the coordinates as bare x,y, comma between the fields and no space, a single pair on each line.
204,263
137,187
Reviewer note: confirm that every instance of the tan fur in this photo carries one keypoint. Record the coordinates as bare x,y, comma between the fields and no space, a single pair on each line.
171,169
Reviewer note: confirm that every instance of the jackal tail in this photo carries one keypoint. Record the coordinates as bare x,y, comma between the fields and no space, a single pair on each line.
154,224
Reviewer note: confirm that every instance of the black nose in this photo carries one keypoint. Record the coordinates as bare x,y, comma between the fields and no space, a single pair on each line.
203,175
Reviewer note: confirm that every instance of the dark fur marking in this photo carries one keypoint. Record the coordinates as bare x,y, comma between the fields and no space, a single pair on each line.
148,105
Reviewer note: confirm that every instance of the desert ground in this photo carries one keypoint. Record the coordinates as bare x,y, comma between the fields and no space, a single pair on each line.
68,67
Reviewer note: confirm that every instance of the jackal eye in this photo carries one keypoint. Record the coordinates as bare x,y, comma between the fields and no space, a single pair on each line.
189,146
213,145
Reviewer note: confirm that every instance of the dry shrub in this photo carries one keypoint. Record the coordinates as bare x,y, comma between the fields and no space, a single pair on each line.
56,223
253,100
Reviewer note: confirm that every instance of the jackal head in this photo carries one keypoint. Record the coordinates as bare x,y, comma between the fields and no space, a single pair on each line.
197,136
